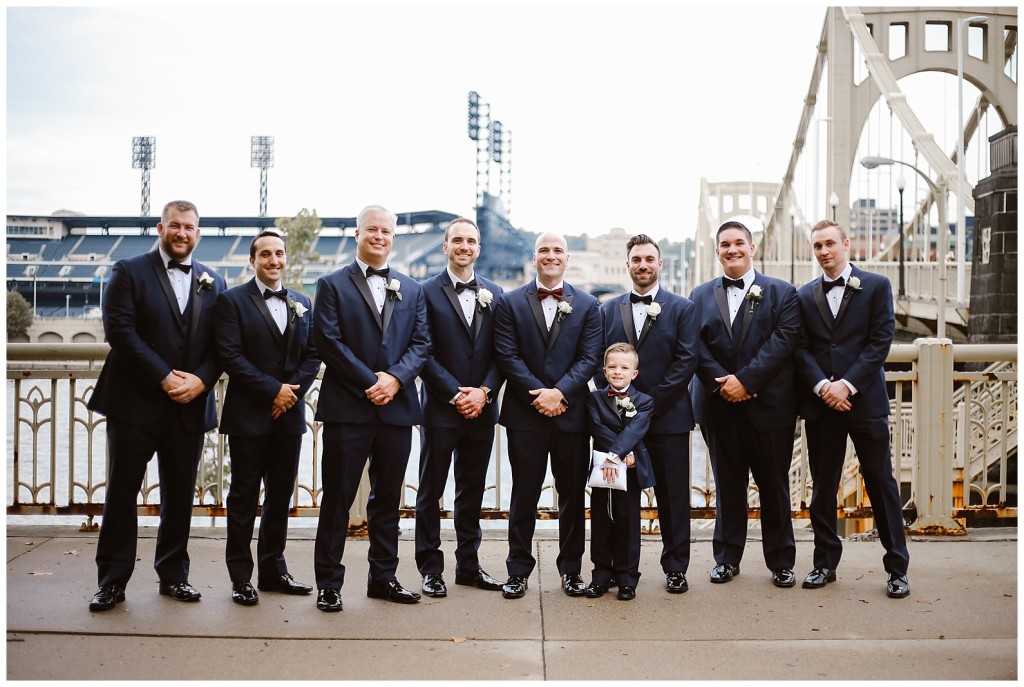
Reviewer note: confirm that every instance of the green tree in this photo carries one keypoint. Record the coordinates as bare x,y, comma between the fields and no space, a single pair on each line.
19,315
300,233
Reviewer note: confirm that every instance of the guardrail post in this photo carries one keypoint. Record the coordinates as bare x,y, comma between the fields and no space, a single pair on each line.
932,487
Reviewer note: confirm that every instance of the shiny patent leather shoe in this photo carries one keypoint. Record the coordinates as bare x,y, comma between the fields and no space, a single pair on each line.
107,597
244,593
724,572
478,579
818,578
573,585
515,587
433,585
596,591
897,587
391,591
783,577
180,591
675,583
626,593
328,600
284,584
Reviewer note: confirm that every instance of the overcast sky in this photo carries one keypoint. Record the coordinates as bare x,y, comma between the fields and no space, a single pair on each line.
615,112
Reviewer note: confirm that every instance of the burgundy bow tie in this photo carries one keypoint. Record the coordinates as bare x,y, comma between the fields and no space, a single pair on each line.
543,293
619,394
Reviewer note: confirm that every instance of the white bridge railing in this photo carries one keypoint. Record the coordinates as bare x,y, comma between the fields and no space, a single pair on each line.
954,438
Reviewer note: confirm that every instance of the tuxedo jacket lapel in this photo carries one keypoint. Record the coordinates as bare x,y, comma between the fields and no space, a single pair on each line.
626,313
165,283
453,298
197,302
360,281
747,308
290,326
538,311
556,324
389,307
648,323
478,320
723,307
848,295
264,309
822,302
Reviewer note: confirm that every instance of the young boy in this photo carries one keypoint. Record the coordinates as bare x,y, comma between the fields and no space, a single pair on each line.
619,416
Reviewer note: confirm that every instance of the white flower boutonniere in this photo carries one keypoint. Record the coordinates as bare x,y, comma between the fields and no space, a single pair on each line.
483,299
205,282
653,310
626,404
755,294
394,289
564,310
298,308
854,283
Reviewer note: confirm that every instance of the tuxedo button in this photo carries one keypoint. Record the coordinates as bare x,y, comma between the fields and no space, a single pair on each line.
470,354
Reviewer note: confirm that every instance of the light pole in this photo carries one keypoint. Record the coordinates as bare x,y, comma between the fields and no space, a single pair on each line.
939,192
792,248
961,219
901,183
833,200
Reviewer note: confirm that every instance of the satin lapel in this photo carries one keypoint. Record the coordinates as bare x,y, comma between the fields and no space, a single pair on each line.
197,300
291,324
648,323
360,281
626,314
822,302
538,311
453,298
389,307
723,307
478,321
610,402
848,295
748,308
556,324
165,284
261,305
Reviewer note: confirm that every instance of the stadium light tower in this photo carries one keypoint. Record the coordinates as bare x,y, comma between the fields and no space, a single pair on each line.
262,156
480,118
144,158
501,153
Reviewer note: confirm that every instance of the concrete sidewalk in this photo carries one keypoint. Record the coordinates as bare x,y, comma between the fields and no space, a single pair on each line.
959,623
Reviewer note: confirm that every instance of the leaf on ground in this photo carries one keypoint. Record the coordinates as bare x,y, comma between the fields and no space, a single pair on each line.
458,640
40,572
72,552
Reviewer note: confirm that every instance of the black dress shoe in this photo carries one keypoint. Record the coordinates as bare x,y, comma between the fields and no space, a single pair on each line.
818,578
783,577
897,587
244,593
596,591
573,585
328,600
724,572
180,591
514,587
106,598
478,579
627,593
285,584
433,585
391,591
675,583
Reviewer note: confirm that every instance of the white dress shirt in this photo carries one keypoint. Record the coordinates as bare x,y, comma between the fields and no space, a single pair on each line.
835,299
736,296
278,308
467,299
550,304
640,309
376,283
180,282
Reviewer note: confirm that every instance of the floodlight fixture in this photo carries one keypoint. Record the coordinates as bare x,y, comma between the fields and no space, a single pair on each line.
144,158
262,156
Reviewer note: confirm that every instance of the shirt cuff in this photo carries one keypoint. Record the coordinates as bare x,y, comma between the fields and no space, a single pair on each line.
817,387
853,389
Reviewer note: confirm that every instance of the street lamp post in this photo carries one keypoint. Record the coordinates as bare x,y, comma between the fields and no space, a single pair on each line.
901,183
961,219
792,248
939,192
833,200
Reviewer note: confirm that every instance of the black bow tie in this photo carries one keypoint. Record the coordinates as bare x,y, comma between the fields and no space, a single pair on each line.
543,293
637,298
282,294
726,282
462,286
174,264
827,286
382,272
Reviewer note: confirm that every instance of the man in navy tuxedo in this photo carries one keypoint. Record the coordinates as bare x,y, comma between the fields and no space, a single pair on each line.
848,330
547,336
154,390
663,328
745,402
460,383
370,329
263,342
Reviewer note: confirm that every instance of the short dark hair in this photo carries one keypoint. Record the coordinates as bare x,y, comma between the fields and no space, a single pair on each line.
180,206
825,224
733,224
265,232
640,240
458,220
622,347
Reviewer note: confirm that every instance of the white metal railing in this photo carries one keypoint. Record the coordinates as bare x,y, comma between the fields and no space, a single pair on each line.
953,436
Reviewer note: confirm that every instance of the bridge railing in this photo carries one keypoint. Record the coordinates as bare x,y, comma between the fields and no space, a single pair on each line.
953,436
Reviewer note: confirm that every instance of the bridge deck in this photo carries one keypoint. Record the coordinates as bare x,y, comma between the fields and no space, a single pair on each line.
959,623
